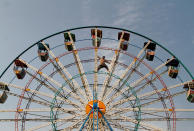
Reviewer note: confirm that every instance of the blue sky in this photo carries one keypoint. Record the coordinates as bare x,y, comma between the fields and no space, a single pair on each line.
24,22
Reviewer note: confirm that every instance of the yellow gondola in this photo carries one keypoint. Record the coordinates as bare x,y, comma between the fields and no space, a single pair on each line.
150,51
68,43
173,68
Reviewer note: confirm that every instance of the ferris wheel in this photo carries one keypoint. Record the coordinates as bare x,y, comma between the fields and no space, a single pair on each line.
96,78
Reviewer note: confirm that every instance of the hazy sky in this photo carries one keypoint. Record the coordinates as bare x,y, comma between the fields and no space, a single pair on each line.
169,22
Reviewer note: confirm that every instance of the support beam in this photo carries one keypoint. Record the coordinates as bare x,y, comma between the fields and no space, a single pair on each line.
44,94
49,123
37,120
81,69
159,99
126,71
95,97
131,97
26,98
66,76
148,126
53,81
135,83
124,110
39,110
111,70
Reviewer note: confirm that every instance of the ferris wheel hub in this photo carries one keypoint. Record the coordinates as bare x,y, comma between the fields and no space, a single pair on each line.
96,105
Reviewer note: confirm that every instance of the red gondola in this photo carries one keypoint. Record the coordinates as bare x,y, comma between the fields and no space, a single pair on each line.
19,69
99,37
124,40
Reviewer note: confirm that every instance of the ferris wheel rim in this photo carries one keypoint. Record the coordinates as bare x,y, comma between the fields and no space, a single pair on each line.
96,26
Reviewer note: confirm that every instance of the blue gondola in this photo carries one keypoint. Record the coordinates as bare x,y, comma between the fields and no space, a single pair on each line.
43,52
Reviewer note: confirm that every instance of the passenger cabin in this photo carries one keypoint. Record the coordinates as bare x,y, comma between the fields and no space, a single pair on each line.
43,52
99,37
150,51
189,85
190,95
124,40
173,66
19,69
3,87
3,96
68,43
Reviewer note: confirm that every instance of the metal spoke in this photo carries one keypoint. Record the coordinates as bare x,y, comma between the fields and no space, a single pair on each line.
55,82
135,83
49,123
141,123
80,69
44,94
130,97
111,69
67,76
95,68
127,70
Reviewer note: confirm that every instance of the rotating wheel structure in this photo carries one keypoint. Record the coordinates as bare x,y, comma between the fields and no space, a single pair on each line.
55,84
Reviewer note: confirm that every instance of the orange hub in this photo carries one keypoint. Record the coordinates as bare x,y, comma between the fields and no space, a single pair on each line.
98,104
